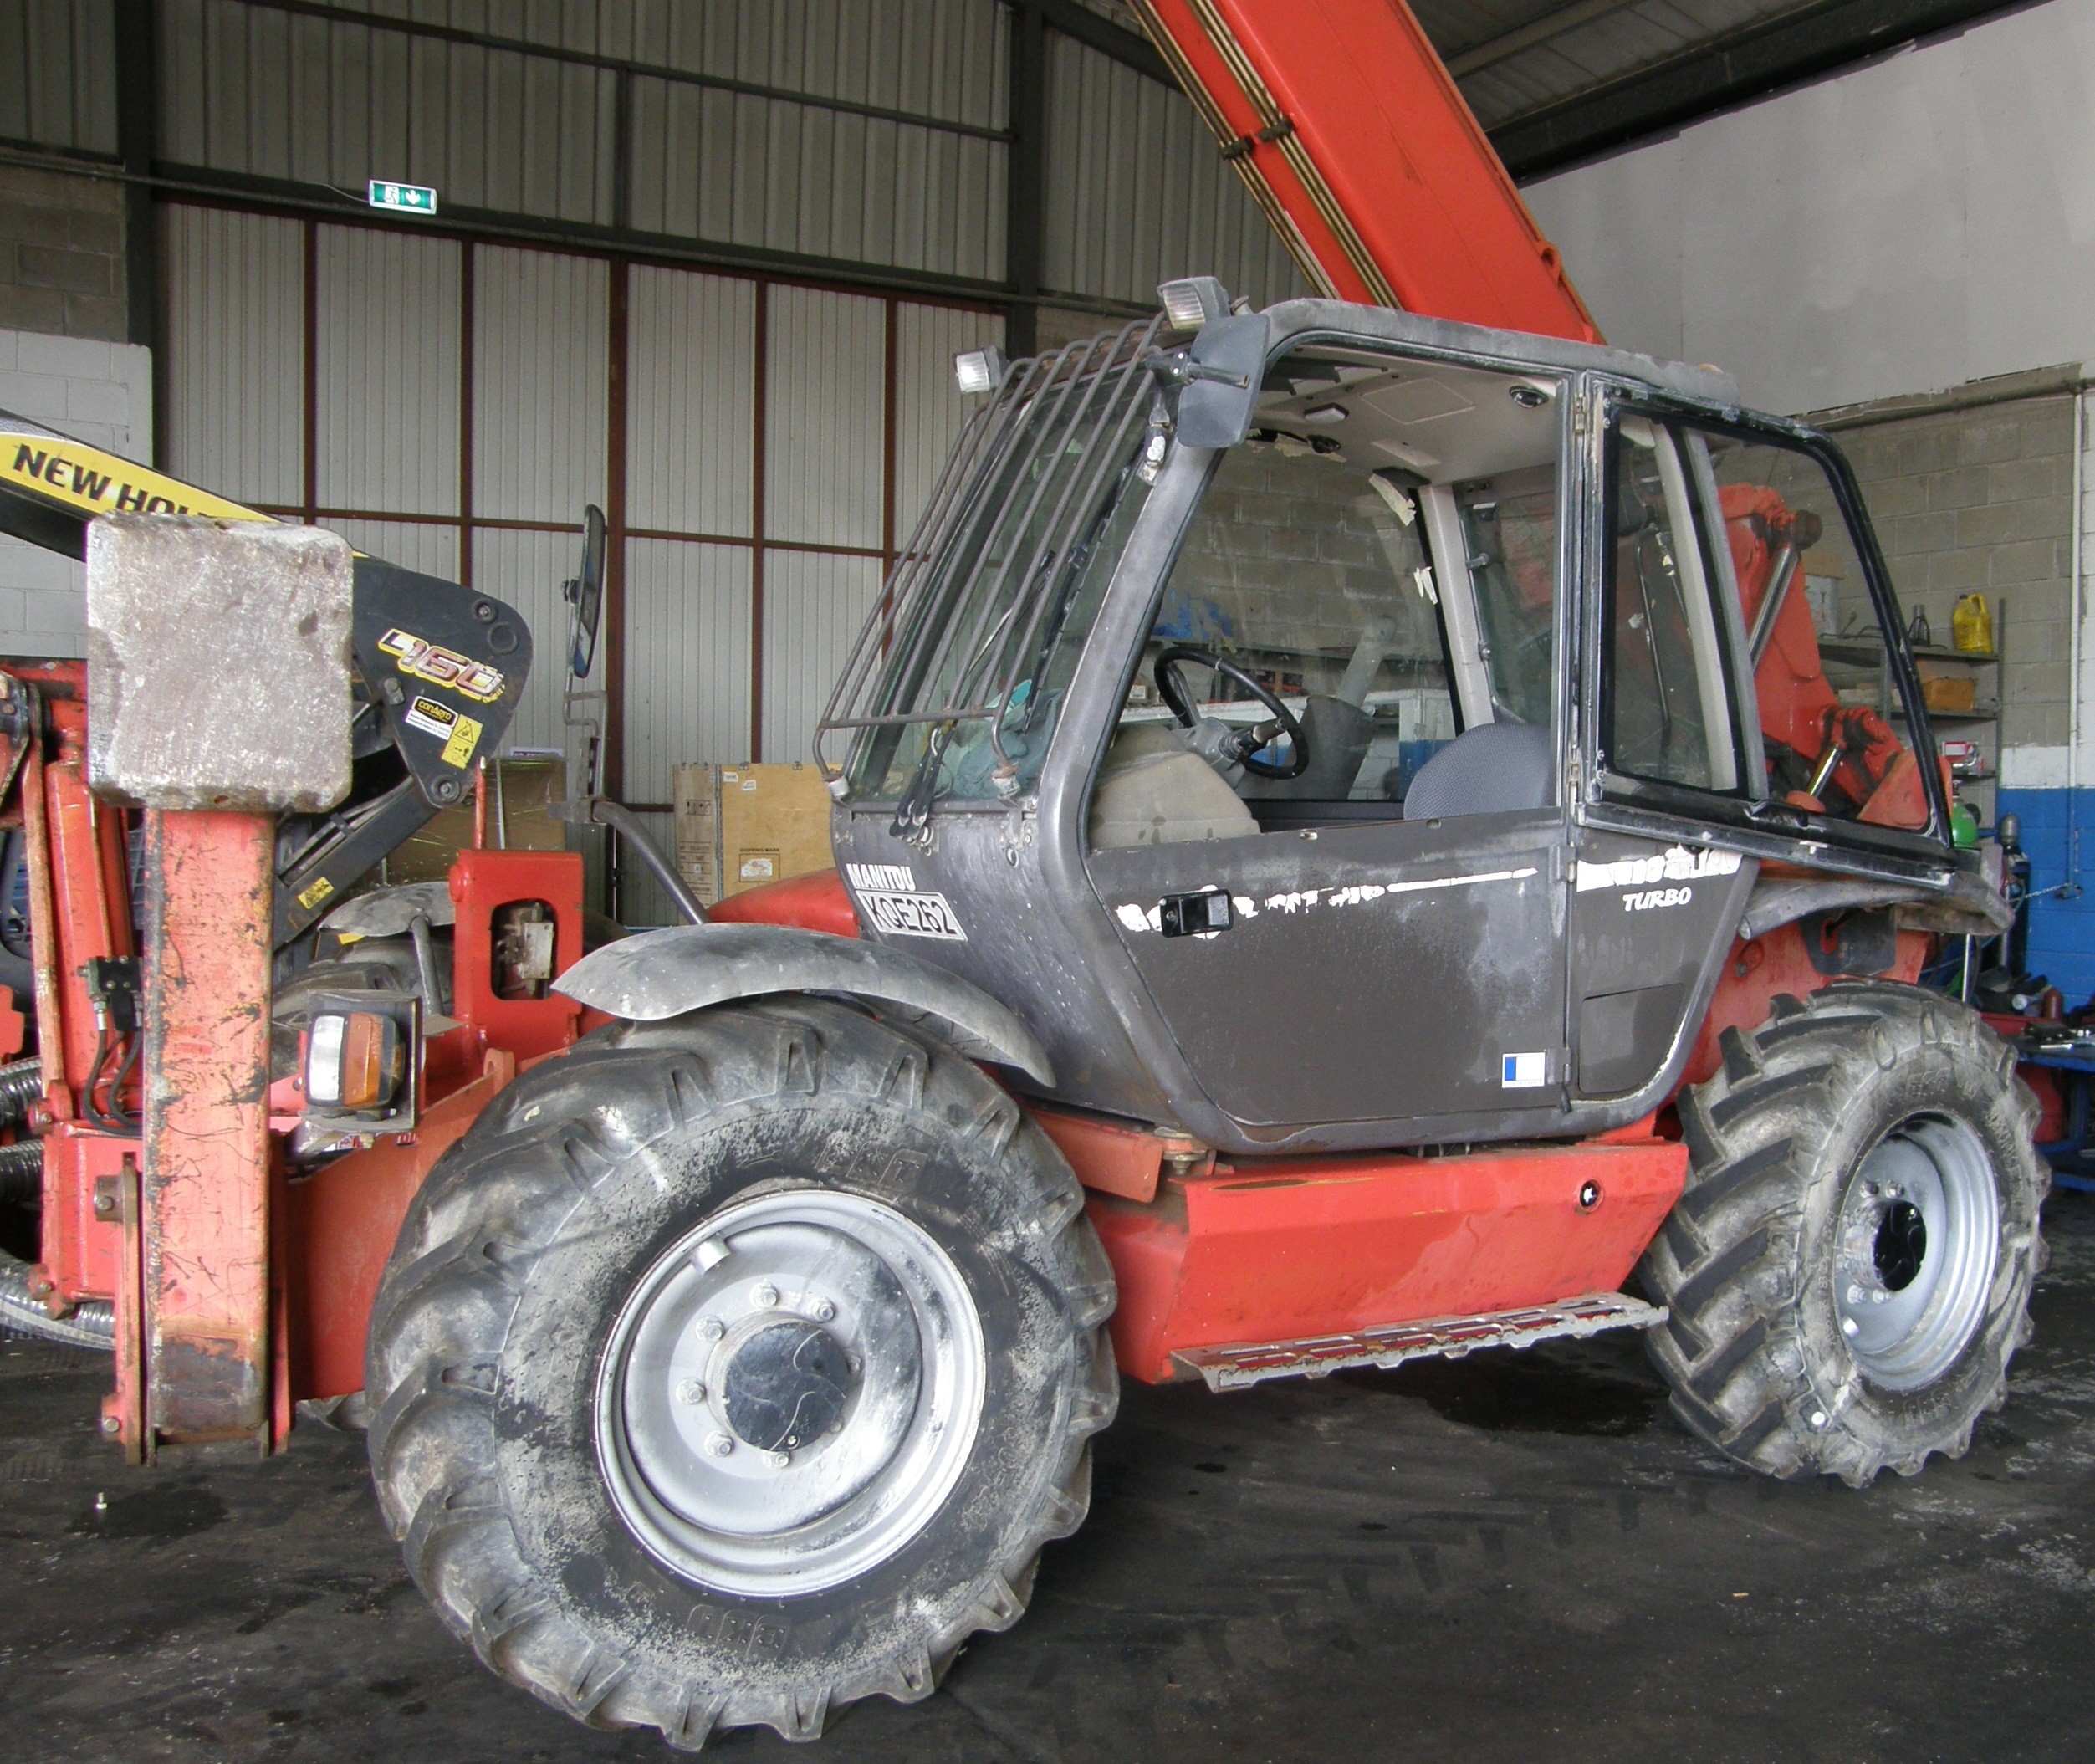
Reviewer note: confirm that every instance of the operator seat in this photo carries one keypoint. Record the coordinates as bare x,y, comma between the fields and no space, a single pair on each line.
1490,770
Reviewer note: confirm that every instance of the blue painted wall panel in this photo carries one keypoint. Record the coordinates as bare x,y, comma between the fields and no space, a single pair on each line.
2062,931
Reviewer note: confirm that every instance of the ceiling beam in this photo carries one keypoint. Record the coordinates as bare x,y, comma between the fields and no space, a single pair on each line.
1545,29
1733,69
1098,33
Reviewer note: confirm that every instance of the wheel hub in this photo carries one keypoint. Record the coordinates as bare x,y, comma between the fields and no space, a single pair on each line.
789,1392
786,1385
1919,1231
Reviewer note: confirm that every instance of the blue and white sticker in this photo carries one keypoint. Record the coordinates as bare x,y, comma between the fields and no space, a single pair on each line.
1521,1071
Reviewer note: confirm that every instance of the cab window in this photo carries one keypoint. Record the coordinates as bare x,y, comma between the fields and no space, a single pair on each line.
1372,573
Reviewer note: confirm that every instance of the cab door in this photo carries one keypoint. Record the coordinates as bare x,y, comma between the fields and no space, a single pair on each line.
1744,703
1335,954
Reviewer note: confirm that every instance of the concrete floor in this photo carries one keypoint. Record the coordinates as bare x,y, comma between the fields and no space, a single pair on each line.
1511,1558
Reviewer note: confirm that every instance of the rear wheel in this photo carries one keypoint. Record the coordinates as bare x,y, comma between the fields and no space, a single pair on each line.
1848,1270
733,1368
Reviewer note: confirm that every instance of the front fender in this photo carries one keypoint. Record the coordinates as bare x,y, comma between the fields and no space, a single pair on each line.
685,968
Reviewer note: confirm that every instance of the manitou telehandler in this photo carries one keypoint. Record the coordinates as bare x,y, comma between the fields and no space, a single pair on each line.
1359,836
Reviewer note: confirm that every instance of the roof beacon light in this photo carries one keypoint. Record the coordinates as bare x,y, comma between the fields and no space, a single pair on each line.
978,371
1192,302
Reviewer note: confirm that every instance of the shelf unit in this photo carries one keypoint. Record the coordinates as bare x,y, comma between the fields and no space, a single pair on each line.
1855,661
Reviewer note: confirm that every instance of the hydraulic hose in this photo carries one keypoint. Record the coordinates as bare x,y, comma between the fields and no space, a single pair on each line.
623,821
21,1083
21,1173
93,1324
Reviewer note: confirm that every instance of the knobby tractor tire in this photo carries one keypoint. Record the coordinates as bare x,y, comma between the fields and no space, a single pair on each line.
1803,1150
540,1231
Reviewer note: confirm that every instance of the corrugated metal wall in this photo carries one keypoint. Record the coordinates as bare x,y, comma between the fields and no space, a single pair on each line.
1137,194
58,74
724,564
387,371
254,89
235,354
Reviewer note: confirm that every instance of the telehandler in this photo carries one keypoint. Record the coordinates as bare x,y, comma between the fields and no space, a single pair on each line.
1358,836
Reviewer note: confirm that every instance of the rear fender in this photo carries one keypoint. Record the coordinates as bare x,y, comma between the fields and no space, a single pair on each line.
687,968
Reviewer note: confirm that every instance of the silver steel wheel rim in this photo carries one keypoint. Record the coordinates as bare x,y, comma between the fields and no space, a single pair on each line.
745,1494
1920,1234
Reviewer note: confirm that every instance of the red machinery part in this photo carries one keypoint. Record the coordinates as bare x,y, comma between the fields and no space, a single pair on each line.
1297,1248
1352,137
341,1221
815,902
1755,972
208,1154
483,883
339,1226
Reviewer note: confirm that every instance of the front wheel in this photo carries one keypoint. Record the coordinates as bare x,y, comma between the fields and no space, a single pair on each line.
1848,1270
735,1369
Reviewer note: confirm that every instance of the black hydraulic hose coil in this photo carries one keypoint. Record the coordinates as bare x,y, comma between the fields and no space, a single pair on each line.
21,1173
21,1083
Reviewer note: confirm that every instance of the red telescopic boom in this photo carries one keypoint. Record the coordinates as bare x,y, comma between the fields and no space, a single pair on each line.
1342,119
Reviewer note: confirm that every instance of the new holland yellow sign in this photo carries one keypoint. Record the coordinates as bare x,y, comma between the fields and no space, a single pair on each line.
69,474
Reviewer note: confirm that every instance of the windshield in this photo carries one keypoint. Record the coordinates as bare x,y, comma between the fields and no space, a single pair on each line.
958,679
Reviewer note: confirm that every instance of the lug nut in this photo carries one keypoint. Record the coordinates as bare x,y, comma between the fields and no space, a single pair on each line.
712,1328
720,1445
778,1460
765,1297
691,1391
822,1311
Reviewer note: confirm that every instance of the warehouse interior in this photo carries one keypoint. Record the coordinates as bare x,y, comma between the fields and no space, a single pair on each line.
705,268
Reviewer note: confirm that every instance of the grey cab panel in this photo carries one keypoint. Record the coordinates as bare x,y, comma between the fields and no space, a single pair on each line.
1391,970
1650,919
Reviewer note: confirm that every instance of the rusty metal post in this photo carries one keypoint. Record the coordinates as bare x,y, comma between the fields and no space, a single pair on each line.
206,1191
219,696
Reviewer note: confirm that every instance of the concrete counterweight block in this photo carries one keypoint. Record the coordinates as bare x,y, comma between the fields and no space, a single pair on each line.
218,663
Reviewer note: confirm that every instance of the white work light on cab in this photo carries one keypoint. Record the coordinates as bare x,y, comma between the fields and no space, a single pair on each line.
979,370
1192,301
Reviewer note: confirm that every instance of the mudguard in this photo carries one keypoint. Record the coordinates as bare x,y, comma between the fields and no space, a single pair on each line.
686,967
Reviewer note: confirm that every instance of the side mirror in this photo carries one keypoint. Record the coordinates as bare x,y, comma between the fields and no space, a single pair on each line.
585,593
1215,407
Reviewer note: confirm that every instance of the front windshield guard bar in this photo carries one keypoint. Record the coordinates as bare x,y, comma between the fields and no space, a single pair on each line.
945,645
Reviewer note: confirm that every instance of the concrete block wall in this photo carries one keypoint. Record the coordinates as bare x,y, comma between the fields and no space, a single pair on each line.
1980,501
62,268
102,393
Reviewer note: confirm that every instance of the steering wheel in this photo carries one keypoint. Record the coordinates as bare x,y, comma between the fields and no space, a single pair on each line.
1243,745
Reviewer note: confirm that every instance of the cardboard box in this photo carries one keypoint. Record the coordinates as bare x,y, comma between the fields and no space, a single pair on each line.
529,786
1947,685
740,827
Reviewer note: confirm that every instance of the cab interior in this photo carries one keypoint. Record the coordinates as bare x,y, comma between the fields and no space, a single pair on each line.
1379,561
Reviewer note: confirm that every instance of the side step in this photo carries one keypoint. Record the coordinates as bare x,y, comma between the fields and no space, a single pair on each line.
1233,1368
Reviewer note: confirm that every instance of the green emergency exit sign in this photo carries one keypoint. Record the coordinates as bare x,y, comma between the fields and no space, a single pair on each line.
403,198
